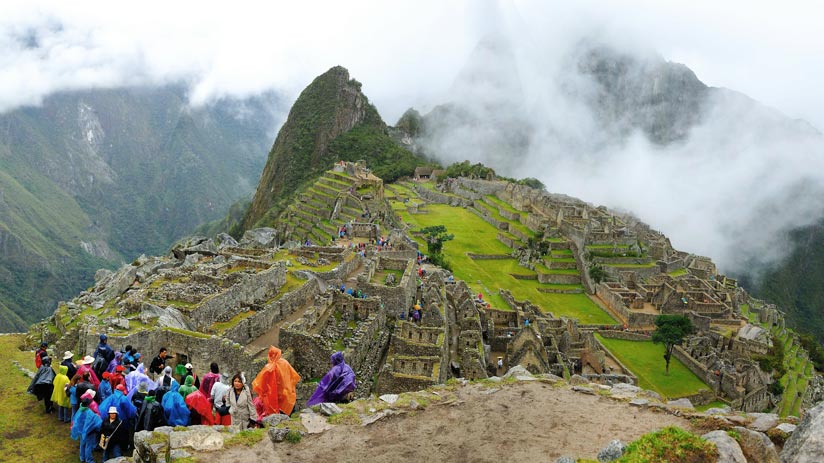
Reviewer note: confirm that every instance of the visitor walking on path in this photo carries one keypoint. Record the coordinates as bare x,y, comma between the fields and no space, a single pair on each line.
276,384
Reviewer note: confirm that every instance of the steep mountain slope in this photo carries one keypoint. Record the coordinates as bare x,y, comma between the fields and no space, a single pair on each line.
331,120
92,178
602,109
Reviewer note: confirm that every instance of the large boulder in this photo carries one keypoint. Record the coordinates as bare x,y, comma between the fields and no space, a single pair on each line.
806,445
763,422
728,449
168,317
202,438
756,445
194,245
260,238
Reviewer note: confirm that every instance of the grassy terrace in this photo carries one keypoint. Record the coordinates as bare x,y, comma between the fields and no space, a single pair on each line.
494,200
474,235
647,363
512,223
799,370
23,424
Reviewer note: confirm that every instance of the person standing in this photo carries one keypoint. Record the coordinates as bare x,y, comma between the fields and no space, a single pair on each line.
85,427
69,363
42,384
158,363
114,432
220,400
276,384
240,403
189,372
209,379
39,354
60,395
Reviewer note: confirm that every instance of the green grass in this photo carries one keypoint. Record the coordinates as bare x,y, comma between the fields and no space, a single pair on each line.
670,444
247,438
26,433
677,273
494,200
513,224
646,361
713,404
473,234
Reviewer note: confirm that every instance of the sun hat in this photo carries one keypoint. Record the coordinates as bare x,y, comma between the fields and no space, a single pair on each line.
113,410
88,360
90,393
67,355
188,366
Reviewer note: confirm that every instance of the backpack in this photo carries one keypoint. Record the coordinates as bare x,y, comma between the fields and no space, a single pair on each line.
99,366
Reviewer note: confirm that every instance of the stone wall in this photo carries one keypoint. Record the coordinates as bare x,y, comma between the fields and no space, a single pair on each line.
195,348
253,327
550,278
474,256
442,198
625,335
253,289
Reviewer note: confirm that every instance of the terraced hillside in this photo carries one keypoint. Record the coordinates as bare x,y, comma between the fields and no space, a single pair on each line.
486,234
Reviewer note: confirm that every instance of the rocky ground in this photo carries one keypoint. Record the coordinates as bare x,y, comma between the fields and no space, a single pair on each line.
524,421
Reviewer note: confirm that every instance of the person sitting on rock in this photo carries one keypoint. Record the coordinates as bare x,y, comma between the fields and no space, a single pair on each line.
276,384
337,385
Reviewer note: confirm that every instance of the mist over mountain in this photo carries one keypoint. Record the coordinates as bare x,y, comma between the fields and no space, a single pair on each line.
721,174
93,178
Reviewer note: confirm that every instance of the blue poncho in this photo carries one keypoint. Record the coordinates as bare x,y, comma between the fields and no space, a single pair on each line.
339,381
86,423
125,409
174,408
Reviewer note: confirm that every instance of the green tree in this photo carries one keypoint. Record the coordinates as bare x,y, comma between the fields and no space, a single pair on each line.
597,273
670,331
435,236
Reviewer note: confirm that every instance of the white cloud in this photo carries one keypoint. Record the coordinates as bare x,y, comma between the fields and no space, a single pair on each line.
408,54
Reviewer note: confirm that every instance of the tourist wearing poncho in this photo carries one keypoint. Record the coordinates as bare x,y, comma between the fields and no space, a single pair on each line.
125,410
42,384
59,397
105,388
136,377
336,384
276,384
187,388
85,427
199,404
174,408
89,394
86,367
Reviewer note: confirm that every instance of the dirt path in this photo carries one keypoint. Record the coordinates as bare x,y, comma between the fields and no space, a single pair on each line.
530,421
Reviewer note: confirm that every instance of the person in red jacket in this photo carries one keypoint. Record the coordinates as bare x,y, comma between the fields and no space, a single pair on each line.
40,353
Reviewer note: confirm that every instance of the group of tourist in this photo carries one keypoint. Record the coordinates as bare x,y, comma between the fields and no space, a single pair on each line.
109,395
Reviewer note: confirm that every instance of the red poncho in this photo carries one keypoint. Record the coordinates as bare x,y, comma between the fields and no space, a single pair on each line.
275,384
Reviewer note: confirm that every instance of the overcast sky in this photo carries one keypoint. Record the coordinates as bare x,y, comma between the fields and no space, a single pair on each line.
733,201
405,53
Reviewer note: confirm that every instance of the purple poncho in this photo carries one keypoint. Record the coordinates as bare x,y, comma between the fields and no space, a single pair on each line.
136,377
339,381
115,361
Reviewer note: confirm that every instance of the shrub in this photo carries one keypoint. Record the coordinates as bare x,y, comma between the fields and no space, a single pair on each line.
670,444
293,436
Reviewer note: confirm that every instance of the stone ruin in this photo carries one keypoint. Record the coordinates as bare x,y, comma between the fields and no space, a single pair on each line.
227,301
